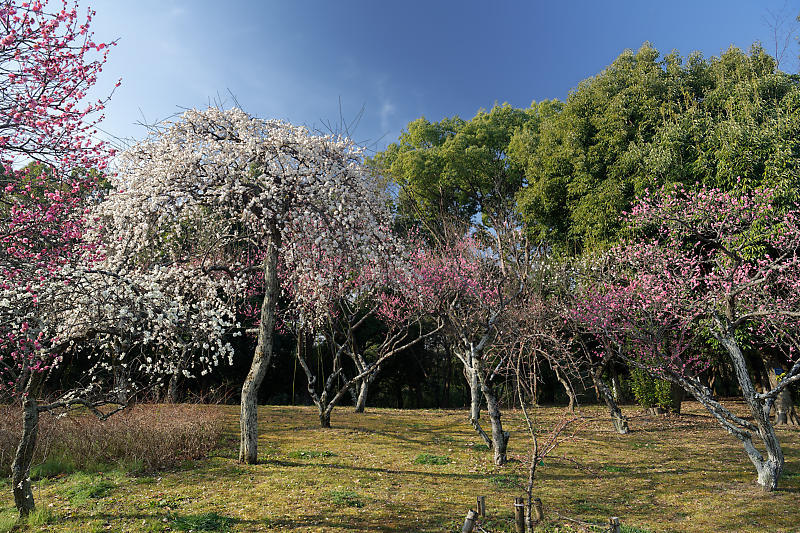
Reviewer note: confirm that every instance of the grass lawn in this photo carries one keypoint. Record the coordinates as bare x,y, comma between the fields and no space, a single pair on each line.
419,471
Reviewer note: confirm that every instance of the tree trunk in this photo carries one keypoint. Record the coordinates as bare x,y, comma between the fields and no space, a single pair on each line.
784,406
474,393
363,388
248,418
616,386
769,469
21,467
619,421
676,395
172,388
499,437
567,389
324,418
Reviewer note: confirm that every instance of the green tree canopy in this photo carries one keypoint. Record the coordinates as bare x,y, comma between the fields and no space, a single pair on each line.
729,122
456,167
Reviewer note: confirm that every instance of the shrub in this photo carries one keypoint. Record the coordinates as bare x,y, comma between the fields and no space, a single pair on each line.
650,392
142,438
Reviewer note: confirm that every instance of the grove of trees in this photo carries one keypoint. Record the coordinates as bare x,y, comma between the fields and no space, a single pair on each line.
648,223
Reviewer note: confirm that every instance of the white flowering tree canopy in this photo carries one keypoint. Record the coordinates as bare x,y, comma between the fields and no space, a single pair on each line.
215,186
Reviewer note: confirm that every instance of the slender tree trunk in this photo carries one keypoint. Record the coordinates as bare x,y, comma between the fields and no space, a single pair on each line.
248,418
21,467
499,437
172,388
769,470
619,421
474,393
567,389
784,406
363,388
616,386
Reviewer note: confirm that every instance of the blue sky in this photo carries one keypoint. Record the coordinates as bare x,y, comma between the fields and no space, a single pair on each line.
295,59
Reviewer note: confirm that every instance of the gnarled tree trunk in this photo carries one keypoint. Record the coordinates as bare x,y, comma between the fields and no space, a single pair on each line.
21,467
499,437
248,417
769,470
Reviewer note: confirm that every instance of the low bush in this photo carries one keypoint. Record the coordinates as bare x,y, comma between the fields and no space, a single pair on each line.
142,438
650,392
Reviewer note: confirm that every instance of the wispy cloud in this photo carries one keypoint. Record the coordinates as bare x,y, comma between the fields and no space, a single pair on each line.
388,109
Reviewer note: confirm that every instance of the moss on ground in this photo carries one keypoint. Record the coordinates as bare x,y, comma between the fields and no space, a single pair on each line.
670,474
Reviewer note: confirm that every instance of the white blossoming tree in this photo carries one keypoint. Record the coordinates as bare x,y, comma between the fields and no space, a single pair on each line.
237,194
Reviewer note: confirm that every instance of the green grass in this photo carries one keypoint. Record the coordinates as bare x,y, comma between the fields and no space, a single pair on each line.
615,468
202,522
347,498
8,519
506,481
669,474
87,487
310,454
431,459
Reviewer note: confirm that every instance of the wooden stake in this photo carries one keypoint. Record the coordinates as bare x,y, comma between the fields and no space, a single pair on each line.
538,510
482,506
613,522
469,522
519,515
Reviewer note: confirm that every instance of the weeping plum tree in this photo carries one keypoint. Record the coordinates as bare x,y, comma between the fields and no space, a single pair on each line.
262,188
706,262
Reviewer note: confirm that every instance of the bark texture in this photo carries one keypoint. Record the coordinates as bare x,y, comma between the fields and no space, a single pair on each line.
769,469
248,417
499,436
21,467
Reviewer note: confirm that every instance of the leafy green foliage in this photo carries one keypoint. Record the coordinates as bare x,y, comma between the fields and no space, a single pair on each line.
730,122
650,392
457,168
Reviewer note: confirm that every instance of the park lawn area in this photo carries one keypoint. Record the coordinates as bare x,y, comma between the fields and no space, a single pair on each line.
406,471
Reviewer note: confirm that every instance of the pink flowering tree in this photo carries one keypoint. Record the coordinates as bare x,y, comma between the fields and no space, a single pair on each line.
475,290
705,262
348,296
48,62
223,188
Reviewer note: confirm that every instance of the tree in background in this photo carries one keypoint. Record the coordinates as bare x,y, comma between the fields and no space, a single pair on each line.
456,169
382,289
646,121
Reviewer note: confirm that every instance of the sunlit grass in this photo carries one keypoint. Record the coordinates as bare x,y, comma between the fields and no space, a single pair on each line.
398,471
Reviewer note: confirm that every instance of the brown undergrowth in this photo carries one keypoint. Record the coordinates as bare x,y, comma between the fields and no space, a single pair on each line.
141,438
